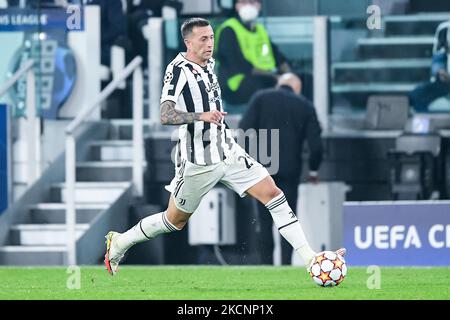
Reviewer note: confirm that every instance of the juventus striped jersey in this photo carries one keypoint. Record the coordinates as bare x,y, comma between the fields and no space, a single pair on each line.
194,88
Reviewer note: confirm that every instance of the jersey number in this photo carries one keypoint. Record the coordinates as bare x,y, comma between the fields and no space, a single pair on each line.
248,162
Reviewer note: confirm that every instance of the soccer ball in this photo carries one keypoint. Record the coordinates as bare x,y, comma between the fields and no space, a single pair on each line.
328,269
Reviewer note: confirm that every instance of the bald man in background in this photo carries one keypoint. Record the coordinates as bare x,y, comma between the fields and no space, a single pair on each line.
285,109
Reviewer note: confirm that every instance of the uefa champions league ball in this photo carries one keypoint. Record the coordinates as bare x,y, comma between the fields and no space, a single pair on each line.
328,269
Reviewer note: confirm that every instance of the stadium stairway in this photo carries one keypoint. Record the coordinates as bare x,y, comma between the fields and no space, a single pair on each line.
394,61
33,230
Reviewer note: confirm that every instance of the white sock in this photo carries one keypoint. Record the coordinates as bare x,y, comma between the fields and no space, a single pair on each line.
144,230
289,226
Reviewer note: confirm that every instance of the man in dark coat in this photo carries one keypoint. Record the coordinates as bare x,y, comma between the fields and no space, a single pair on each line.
285,109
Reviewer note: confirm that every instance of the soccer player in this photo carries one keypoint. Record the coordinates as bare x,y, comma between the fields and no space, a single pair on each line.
206,153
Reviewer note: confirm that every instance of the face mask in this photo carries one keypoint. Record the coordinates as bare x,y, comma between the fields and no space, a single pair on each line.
248,13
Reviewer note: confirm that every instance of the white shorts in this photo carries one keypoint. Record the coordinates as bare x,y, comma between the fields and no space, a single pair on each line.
238,172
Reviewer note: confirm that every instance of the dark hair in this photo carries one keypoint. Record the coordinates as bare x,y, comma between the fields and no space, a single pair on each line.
190,23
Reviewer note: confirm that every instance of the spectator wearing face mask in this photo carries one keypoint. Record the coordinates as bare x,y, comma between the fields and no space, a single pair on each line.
247,60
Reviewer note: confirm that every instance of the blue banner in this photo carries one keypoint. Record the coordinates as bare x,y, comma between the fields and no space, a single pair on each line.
3,158
69,19
397,234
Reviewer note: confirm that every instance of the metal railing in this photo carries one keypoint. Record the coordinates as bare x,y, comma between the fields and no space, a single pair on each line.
134,67
321,70
33,128
155,64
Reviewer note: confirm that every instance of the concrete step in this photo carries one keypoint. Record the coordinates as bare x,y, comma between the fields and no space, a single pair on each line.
43,234
405,41
373,87
415,24
122,129
90,192
381,70
56,212
32,255
111,150
105,170
356,94
395,47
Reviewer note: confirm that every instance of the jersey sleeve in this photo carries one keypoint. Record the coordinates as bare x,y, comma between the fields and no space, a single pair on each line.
174,82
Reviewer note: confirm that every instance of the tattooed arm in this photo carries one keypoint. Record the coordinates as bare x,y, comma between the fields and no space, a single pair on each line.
171,116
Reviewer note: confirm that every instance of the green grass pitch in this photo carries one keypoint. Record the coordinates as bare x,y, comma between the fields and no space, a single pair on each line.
218,282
